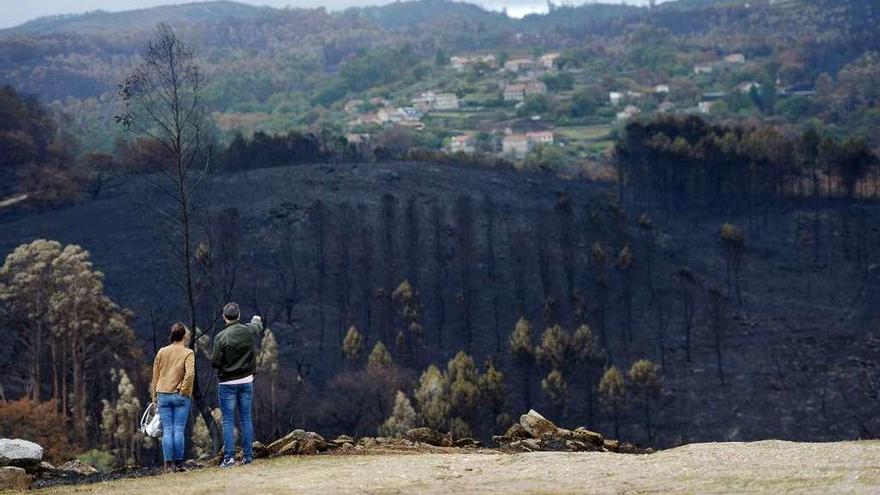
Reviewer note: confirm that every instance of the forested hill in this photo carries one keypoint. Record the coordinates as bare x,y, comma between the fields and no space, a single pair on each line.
102,22
280,69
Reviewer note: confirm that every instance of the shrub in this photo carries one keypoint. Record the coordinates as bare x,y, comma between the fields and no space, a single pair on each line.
99,459
38,422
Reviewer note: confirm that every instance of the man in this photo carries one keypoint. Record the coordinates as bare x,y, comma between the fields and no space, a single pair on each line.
234,356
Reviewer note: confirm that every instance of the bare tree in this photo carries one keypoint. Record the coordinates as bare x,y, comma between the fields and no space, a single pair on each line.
162,101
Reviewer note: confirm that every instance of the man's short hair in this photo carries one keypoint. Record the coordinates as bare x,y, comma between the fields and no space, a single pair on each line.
231,311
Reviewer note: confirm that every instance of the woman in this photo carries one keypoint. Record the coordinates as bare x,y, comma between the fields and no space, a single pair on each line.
174,370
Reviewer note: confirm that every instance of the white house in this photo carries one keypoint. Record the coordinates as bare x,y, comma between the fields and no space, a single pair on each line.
548,60
747,87
357,138
705,106
615,97
514,92
351,106
540,137
459,62
462,143
661,89
519,145
519,91
446,101
518,64
629,112
435,101
735,58
515,144
701,69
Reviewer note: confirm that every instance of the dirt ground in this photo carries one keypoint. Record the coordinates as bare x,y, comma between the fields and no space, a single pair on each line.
770,467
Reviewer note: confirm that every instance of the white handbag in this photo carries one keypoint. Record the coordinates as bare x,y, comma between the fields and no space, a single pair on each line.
151,423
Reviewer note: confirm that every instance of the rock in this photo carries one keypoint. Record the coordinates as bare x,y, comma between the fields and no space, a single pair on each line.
575,446
584,435
503,440
77,466
537,426
342,439
367,442
14,478
46,467
299,435
426,435
20,453
517,432
309,447
611,445
466,442
554,444
260,450
628,448
290,448
531,444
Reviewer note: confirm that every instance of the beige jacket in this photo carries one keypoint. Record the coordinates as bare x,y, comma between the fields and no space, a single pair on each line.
174,370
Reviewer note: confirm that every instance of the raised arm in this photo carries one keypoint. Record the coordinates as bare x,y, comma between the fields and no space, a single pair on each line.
256,327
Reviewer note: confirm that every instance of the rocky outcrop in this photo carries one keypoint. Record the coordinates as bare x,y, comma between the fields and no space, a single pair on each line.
77,466
536,433
260,450
343,442
298,442
14,478
428,436
537,426
20,453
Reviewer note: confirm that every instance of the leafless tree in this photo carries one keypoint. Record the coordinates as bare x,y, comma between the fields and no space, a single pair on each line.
162,101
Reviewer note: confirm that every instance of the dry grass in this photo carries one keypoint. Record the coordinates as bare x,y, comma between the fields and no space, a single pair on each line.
770,467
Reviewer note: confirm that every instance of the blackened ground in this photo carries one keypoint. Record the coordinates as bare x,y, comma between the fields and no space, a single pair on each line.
483,247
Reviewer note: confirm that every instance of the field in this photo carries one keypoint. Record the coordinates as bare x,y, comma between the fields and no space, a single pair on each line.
760,467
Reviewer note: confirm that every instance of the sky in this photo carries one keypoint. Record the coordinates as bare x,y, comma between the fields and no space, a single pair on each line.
15,12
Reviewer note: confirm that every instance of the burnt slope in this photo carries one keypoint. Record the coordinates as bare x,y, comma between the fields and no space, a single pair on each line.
318,248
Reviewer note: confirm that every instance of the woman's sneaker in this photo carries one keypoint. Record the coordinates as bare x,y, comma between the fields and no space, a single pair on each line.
227,463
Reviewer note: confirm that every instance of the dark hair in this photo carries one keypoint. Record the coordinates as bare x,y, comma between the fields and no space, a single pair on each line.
178,332
231,311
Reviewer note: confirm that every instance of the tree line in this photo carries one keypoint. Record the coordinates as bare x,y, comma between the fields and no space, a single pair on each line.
683,157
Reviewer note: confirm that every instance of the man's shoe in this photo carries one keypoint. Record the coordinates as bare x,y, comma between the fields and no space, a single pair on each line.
247,461
227,463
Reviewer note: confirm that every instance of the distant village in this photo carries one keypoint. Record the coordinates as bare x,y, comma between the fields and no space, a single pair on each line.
518,79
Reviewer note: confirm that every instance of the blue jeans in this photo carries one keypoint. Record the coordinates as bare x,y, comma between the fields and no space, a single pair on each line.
174,412
241,396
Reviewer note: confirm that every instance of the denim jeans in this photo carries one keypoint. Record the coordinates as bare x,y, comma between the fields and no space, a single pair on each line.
241,397
174,412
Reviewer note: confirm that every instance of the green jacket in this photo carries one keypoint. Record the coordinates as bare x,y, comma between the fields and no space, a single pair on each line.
235,352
